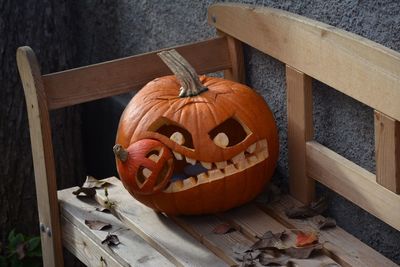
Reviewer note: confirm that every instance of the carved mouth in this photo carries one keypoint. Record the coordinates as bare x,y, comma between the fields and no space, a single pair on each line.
190,172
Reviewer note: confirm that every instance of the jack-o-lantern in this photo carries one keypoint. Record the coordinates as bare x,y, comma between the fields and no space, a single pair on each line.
193,145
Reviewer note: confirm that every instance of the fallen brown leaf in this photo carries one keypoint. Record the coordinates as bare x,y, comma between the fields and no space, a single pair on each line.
239,248
92,182
223,228
306,238
97,225
111,240
320,205
273,258
86,191
326,223
303,212
270,240
302,252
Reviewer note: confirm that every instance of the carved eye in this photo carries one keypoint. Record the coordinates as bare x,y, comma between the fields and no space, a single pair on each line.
229,133
173,131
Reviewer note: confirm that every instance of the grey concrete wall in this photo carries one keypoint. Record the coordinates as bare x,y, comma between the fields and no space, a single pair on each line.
114,29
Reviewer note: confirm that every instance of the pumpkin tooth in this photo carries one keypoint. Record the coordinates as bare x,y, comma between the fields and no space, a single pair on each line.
263,143
230,169
207,165
176,186
202,177
154,157
263,154
241,165
189,182
146,172
221,164
252,160
191,161
177,155
215,174
239,157
252,148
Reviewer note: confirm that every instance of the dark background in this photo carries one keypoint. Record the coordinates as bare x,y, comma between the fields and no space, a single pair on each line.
66,34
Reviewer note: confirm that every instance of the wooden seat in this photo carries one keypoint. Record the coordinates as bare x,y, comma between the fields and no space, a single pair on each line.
364,70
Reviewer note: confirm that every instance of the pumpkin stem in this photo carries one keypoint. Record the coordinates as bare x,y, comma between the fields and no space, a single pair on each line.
120,152
184,72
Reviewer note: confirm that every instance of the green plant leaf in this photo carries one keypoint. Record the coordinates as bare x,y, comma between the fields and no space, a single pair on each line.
33,243
15,240
11,235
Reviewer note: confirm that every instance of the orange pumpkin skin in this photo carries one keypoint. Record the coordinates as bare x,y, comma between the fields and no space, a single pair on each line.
158,103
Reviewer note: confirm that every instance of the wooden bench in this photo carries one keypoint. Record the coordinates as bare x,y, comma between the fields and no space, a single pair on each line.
361,69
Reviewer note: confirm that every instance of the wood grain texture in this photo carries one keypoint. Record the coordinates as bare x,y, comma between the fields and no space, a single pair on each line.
84,248
358,67
300,130
133,251
237,70
353,182
42,153
254,222
201,228
158,230
344,248
124,75
387,151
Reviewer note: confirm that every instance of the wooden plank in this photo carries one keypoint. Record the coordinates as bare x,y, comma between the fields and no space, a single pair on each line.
254,222
387,151
42,154
358,67
75,211
201,227
353,182
345,248
158,230
300,130
84,248
237,71
120,76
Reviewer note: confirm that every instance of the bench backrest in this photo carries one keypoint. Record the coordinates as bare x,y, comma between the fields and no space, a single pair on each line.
355,66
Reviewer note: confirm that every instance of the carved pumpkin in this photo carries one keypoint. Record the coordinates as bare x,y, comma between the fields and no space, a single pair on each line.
222,136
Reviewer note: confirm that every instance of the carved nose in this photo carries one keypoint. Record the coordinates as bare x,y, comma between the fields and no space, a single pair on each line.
150,165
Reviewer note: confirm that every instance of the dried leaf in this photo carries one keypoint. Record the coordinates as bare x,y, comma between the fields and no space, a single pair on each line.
111,240
273,258
250,259
97,225
320,206
303,212
306,238
326,223
239,248
270,240
302,252
223,228
89,192
92,182
300,212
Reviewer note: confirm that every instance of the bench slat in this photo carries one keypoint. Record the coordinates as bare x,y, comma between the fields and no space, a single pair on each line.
128,74
355,66
158,230
345,248
79,238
